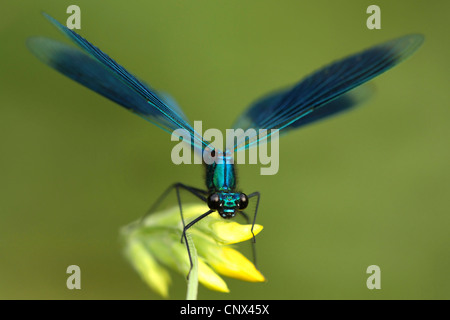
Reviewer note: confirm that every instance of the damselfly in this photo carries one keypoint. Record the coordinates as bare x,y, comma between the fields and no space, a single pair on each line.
329,91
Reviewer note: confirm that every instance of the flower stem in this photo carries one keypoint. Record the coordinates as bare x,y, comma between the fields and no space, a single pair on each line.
192,286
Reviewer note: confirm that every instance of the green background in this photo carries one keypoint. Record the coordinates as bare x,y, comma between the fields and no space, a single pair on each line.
369,187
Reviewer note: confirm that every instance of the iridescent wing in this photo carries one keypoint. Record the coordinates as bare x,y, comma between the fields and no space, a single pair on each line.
326,92
95,70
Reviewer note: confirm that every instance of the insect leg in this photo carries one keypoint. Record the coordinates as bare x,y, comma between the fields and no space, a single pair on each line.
199,193
247,220
190,224
258,195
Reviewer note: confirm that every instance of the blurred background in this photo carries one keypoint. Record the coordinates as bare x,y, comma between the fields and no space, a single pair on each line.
371,187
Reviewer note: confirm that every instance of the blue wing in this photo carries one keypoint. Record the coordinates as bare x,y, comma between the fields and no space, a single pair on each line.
103,75
326,92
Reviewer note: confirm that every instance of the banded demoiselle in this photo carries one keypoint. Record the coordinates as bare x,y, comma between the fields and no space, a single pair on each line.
329,91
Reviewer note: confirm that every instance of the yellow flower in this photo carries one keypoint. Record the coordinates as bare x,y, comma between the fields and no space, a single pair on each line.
152,245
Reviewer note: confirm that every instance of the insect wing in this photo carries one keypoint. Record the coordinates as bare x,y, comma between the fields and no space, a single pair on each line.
327,91
95,70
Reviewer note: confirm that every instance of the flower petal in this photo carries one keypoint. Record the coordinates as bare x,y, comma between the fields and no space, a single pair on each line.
150,271
231,263
210,279
233,232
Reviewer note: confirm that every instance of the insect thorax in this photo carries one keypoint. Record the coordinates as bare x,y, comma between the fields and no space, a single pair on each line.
221,175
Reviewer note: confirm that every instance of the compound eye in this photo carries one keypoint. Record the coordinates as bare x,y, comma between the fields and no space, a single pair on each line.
213,201
243,201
